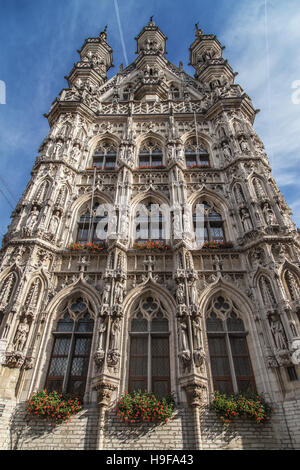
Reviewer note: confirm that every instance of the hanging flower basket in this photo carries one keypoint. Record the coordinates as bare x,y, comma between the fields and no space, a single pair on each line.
151,245
53,406
251,407
140,406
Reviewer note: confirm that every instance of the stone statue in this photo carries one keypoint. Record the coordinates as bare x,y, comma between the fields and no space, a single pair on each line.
193,293
246,220
180,293
278,334
244,146
21,335
226,151
106,294
54,223
269,215
196,328
119,292
33,217
183,339
114,335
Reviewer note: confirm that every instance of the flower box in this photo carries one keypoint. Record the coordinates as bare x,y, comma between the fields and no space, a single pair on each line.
211,244
151,167
52,406
248,406
145,407
89,246
151,245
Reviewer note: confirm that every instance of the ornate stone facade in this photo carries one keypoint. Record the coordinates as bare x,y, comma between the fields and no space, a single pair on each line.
151,134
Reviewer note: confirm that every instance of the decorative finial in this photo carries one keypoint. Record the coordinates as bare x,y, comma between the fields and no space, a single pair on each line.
198,32
103,34
151,22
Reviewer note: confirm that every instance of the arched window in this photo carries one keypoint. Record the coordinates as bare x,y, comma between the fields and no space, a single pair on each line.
150,155
149,364
87,225
175,93
150,222
126,93
195,156
228,350
292,285
213,223
70,355
105,155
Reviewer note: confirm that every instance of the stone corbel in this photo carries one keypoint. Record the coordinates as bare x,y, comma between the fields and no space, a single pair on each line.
104,393
196,393
14,359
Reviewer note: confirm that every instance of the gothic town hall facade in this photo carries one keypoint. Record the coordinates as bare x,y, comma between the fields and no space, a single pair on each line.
151,309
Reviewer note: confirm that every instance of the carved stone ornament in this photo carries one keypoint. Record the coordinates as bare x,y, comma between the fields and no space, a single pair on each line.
199,357
14,359
196,394
99,358
113,358
104,393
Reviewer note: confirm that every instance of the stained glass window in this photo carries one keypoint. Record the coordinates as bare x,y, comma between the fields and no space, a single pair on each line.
149,349
229,356
70,356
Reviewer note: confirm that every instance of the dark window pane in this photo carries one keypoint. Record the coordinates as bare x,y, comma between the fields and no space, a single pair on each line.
77,387
238,345
138,385
58,366
138,366
160,366
213,323
85,323
78,306
159,324
139,324
160,388
61,347
82,346
242,366
82,234
217,345
223,386
139,346
245,386
80,366
65,324
217,233
160,346
220,366
54,385
191,160
234,323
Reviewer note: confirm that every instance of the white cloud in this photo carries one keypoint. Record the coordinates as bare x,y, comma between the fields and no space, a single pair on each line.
265,52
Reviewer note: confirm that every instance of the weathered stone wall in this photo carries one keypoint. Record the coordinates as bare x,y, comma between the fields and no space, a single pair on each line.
80,433
176,434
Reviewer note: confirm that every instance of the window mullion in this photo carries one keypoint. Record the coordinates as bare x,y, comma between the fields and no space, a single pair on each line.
208,231
69,361
149,378
231,363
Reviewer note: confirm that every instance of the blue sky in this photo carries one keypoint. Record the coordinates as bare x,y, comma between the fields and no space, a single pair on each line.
39,40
